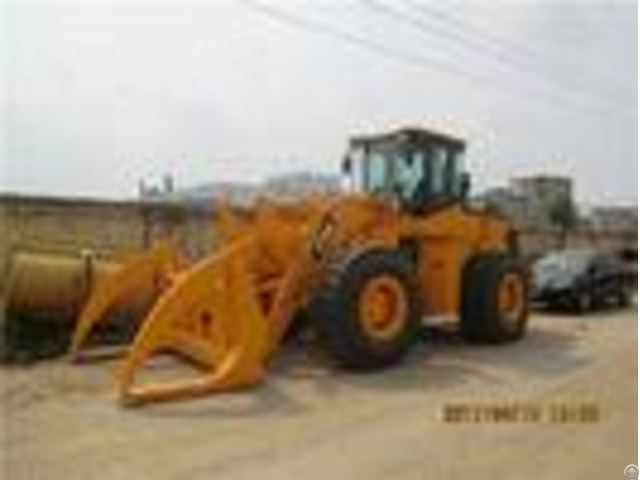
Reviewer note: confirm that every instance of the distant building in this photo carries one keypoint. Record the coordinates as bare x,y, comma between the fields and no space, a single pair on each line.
614,219
243,194
512,205
532,202
300,184
165,189
545,193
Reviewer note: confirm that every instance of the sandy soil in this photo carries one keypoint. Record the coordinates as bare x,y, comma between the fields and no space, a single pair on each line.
570,388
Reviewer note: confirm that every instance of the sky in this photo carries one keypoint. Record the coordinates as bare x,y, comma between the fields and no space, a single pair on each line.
98,95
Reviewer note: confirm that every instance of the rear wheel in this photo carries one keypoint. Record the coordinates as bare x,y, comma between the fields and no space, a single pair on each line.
583,303
367,315
494,299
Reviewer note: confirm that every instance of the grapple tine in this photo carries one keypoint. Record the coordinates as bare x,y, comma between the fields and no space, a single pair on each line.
212,316
139,277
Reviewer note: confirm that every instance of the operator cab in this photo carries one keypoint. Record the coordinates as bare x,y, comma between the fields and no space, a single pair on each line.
416,168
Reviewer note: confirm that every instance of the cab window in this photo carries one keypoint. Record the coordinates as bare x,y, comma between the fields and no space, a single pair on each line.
456,168
409,173
439,161
375,175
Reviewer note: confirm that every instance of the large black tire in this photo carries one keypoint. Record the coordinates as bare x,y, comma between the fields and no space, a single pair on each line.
482,318
334,313
583,302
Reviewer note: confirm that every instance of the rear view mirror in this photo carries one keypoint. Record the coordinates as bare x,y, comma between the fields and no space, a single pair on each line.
465,184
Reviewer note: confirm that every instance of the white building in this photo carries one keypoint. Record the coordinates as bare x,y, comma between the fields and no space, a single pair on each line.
532,202
615,219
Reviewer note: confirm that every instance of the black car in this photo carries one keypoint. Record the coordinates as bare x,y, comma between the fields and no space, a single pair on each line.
579,279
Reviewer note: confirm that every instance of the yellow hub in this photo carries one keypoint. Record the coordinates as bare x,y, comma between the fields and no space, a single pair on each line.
383,307
511,296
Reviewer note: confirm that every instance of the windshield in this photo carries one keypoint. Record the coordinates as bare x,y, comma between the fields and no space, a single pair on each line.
414,174
409,173
561,265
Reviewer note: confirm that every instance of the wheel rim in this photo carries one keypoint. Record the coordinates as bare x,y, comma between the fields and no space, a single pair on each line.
383,307
511,298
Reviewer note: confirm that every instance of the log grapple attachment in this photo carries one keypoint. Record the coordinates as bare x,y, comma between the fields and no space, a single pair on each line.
226,313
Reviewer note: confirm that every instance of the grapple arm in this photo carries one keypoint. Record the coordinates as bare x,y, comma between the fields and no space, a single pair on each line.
224,315
137,281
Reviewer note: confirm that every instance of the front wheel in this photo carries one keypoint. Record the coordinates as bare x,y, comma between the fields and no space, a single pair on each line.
367,315
495,294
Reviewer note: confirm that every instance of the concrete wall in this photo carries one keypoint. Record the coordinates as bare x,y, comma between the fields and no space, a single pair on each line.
116,228
537,241
112,229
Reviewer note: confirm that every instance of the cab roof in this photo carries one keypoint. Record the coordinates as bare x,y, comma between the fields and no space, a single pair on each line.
412,135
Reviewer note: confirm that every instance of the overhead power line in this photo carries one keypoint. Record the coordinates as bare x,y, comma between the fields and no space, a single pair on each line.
519,55
422,60
435,29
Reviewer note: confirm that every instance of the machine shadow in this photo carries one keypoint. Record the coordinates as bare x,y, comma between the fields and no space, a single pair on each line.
441,361
444,360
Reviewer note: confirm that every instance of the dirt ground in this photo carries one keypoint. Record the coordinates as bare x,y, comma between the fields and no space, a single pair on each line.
569,391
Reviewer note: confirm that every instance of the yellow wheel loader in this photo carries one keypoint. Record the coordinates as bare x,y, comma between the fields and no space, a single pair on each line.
365,266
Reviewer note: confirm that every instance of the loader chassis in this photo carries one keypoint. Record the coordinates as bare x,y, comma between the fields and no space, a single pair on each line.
364,267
